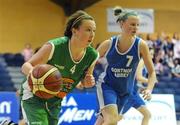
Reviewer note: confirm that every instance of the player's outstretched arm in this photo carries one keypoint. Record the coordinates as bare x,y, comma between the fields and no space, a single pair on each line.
144,51
41,57
89,80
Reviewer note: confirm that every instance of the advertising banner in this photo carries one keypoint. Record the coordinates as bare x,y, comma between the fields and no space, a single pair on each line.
9,106
78,109
162,110
81,109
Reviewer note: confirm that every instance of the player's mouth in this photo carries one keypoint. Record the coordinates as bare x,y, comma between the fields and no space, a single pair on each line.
89,41
134,32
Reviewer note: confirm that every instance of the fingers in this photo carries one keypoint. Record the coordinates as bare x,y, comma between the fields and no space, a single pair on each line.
146,95
149,98
89,81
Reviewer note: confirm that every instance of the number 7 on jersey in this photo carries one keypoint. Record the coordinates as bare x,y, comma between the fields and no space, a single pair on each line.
130,58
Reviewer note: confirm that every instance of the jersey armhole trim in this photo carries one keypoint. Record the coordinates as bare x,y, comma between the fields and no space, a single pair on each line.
110,45
95,59
139,43
52,51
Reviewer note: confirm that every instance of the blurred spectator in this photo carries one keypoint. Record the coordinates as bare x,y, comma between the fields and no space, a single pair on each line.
169,59
158,67
159,42
176,69
27,52
175,38
159,55
149,41
168,45
176,41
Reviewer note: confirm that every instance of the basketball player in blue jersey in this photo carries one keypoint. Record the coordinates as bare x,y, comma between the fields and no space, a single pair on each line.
136,101
123,52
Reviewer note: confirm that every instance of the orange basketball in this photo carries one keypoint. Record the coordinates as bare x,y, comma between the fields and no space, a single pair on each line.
45,81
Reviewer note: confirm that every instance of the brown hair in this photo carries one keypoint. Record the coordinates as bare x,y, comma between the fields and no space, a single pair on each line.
75,20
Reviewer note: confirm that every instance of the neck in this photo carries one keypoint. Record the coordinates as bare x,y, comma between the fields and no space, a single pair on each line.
127,38
75,45
76,50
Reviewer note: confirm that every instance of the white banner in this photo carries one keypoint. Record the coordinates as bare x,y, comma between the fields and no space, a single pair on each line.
162,109
146,20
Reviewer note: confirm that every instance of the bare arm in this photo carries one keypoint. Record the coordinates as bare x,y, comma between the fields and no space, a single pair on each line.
91,68
139,75
89,80
144,51
41,57
102,49
80,86
176,74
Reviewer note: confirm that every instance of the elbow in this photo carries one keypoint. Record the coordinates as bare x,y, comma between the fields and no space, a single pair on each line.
23,68
138,78
152,72
26,67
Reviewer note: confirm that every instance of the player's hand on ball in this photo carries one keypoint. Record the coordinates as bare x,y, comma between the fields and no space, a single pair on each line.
45,81
88,81
147,94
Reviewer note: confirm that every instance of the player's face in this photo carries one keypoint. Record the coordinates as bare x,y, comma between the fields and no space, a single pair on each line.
131,25
86,32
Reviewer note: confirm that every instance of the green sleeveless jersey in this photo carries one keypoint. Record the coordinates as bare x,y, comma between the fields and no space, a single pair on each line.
72,72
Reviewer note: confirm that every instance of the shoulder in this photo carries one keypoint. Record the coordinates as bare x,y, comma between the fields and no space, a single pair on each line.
104,46
60,40
57,45
142,42
92,51
143,45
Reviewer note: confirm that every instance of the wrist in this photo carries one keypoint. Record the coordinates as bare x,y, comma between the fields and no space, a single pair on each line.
30,71
149,90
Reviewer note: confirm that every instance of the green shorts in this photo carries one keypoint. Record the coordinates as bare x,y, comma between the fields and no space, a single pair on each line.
38,111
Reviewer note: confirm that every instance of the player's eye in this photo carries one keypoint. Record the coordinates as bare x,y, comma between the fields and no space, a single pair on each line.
89,30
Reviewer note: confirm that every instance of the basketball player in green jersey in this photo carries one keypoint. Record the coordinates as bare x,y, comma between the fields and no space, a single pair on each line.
75,59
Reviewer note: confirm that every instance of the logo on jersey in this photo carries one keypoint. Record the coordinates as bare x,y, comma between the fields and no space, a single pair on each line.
59,67
67,84
121,72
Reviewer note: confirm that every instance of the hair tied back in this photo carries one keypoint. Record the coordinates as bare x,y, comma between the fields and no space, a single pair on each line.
117,10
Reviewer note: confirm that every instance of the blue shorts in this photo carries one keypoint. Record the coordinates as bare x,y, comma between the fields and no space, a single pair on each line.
134,101
107,96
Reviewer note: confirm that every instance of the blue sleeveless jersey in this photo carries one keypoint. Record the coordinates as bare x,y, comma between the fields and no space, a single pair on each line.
121,67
